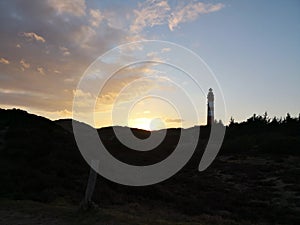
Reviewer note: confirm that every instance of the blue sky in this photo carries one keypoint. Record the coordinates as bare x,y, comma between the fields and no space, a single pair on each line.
253,48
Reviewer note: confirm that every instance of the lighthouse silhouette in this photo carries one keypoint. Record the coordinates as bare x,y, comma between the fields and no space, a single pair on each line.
210,107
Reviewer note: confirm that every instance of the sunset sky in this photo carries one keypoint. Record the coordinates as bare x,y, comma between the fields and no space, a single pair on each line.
253,48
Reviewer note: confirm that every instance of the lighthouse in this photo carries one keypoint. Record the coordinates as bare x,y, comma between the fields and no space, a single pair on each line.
210,107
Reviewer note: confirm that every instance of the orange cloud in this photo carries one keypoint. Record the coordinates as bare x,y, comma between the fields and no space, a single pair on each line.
65,51
24,64
33,36
174,120
41,70
4,61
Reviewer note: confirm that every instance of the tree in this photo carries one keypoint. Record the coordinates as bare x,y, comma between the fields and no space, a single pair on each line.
288,118
266,118
231,122
274,121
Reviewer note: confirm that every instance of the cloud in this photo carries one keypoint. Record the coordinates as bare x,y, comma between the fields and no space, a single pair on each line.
57,71
174,120
127,84
33,36
150,13
165,50
96,17
72,7
158,12
124,86
35,100
56,114
4,61
65,51
84,35
19,92
24,64
191,12
68,36
41,70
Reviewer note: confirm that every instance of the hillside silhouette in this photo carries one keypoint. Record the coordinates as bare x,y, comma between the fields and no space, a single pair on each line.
254,179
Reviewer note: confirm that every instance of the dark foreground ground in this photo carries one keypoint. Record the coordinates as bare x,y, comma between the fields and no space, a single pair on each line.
254,180
235,190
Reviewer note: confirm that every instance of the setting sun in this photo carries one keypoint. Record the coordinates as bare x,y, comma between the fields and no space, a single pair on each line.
140,123
147,123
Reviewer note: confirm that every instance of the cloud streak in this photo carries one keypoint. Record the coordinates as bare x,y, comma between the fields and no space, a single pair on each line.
24,64
169,120
33,36
4,61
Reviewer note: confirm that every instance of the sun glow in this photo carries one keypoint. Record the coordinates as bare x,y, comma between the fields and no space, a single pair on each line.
140,123
147,123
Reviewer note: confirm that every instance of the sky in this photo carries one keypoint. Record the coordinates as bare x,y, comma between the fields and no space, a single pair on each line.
251,47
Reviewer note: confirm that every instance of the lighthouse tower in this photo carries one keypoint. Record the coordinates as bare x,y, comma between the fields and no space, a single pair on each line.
210,107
